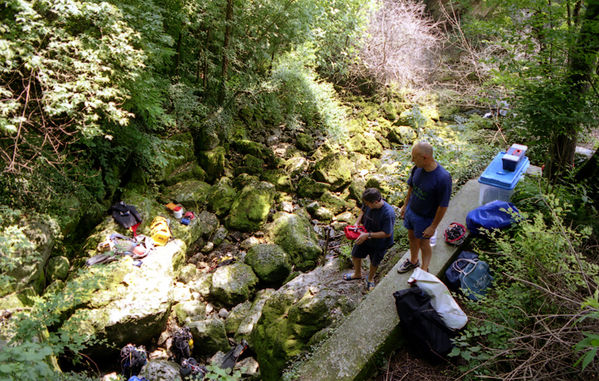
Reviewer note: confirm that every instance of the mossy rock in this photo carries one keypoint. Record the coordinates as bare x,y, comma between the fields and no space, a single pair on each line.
366,144
294,233
419,117
269,262
296,165
308,187
334,169
236,316
221,196
256,149
210,335
58,268
188,171
213,162
280,179
332,202
192,194
250,164
233,284
305,142
390,111
402,135
251,207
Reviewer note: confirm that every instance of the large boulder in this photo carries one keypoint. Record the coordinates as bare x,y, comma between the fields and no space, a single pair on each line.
295,312
213,162
233,284
294,233
161,370
236,316
402,135
209,336
334,169
57,268
29,239
187,171
333,202
202,226
221,196
192,194
247,325
269,262
251,207
308,187
366,144
129,303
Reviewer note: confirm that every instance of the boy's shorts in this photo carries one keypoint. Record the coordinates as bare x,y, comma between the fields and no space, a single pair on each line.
417,223
364,250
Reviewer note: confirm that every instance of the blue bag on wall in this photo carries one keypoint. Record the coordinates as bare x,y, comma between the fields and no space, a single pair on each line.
494,215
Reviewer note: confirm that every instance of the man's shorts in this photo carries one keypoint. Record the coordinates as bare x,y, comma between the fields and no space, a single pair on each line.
364,250
417,223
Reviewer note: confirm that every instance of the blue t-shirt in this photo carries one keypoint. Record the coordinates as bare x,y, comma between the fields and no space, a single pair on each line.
376,220
430,190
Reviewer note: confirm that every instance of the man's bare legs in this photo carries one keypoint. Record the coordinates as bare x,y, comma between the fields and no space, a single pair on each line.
357,267
417,245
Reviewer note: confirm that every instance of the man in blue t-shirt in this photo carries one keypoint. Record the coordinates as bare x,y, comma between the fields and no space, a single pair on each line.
429,189
378,218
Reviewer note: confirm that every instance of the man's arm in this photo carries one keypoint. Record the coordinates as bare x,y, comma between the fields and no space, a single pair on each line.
428,232
402,211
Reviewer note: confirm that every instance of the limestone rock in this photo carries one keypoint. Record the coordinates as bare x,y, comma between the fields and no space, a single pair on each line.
190,193
402,135
210,336
132,303
334,169
57,268
161,370
236,316
251,207
269,262
308,187
213,162
247,325
332,202
366,144
221,195
295,235
233,284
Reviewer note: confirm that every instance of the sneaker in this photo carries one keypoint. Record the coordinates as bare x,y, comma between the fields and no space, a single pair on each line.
407,266
433,240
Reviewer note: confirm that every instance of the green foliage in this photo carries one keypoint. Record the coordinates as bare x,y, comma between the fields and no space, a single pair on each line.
217,373
345,258
541,278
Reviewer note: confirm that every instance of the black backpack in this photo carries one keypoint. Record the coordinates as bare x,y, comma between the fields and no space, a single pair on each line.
425,332
132,360
180,345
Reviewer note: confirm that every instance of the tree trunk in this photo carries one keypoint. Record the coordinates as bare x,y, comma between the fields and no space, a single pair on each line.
582,64
225,60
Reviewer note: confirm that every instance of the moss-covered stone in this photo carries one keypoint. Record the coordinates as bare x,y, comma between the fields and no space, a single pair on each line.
191,194
269,262
221,196
332,202
209,335
279,178
57,268
213,162
236,316
250,164
305,142
334,169
366,144
251,207
295,235
402,135
296,165
233,284
187,171
247,325
308,187
254,148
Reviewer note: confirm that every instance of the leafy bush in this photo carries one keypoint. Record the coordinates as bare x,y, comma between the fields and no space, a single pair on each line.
532,319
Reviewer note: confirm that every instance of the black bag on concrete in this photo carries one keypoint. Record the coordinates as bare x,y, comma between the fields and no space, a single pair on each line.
425,332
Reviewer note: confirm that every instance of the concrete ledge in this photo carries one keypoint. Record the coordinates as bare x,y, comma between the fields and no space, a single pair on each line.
373,326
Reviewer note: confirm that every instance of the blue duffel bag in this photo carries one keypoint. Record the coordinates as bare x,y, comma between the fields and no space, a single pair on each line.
452,274
494,215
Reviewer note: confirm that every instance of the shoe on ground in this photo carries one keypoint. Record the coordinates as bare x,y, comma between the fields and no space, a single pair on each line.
369,285
406,266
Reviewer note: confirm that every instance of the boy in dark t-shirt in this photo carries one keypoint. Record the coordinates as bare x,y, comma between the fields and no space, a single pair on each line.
429,190
378,218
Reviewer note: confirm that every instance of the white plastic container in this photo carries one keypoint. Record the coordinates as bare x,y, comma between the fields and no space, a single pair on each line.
497,183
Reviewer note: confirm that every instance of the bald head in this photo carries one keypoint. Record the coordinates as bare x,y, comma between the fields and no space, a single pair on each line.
424,148
422,156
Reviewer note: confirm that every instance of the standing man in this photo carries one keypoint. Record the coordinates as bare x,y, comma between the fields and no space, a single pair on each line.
378,218
429,189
